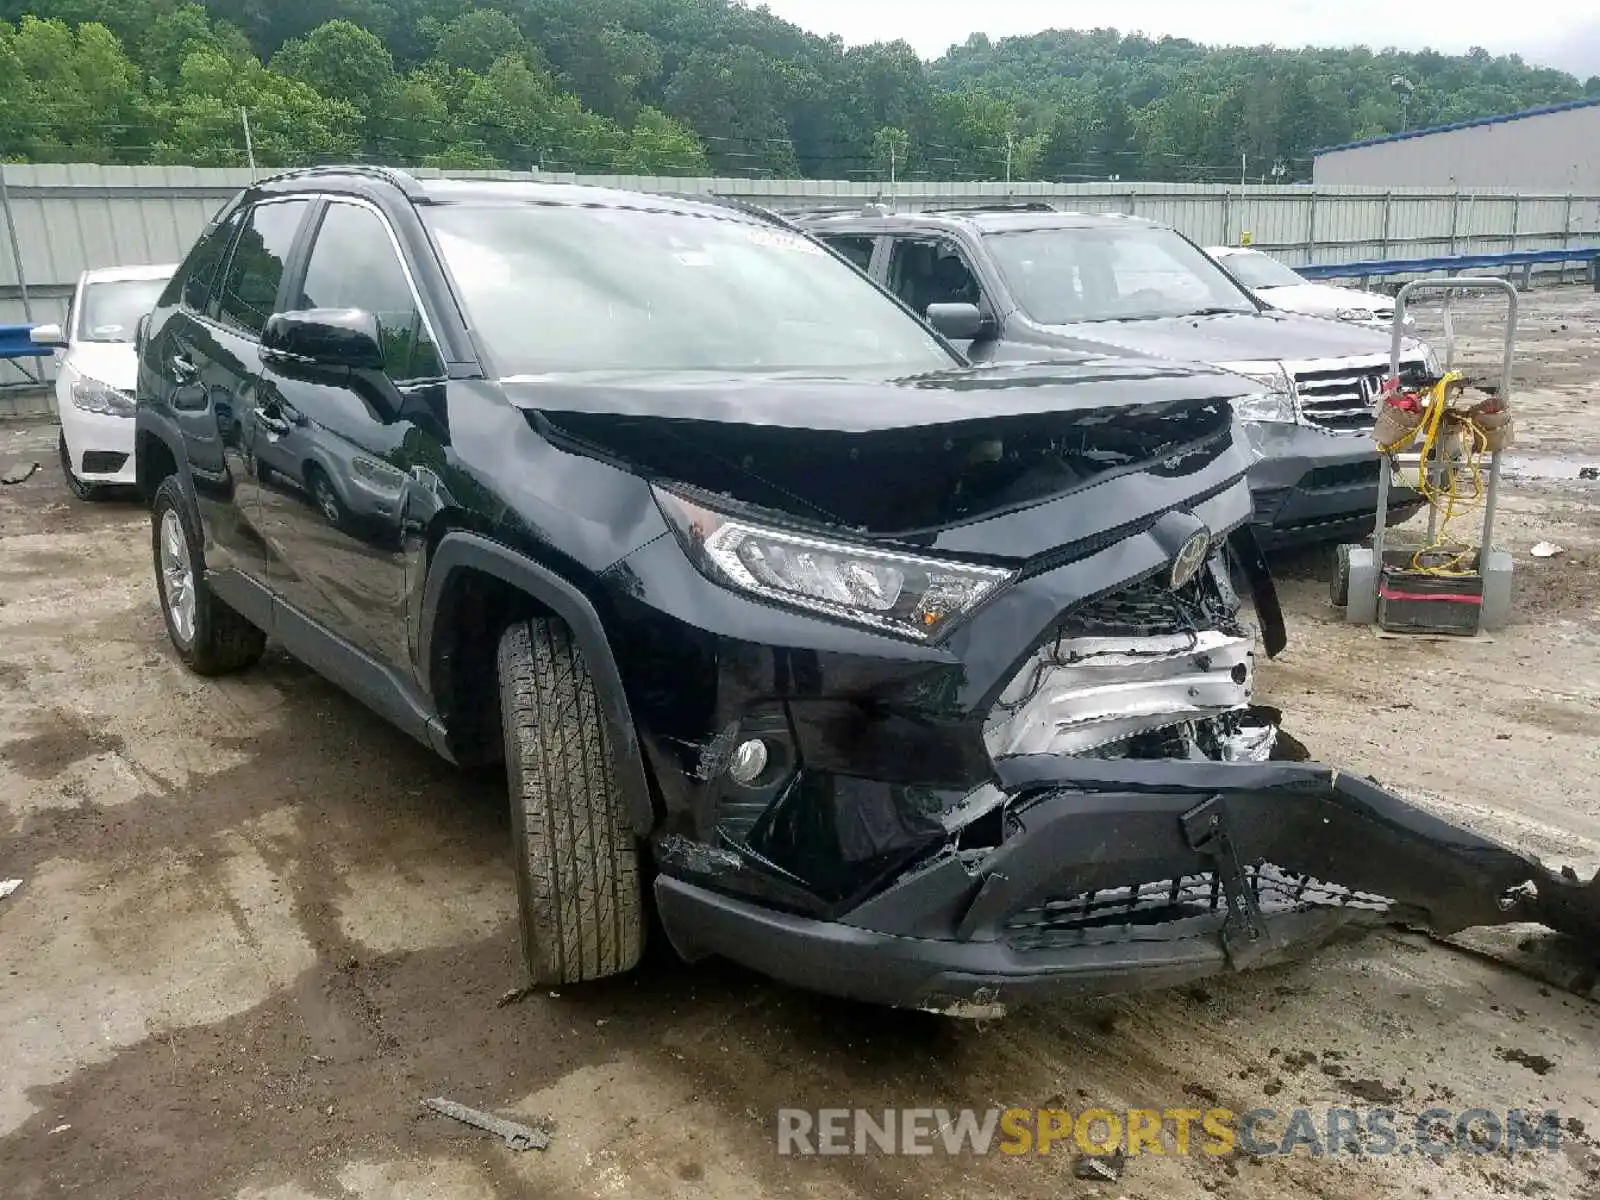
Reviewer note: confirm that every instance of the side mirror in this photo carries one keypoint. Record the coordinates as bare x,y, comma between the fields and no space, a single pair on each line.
323,337
47,335
957,322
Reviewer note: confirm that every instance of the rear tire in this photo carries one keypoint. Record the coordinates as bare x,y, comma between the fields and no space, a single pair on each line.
577,862
80,489
210,637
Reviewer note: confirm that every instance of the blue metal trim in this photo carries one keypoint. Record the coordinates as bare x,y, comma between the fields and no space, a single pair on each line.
1502,118
1454,262
15,342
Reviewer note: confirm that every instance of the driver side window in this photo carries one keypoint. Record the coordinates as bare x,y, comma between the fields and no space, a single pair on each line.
354,264
924,271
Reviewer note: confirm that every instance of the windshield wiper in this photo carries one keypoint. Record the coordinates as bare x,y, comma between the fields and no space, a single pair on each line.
1220,312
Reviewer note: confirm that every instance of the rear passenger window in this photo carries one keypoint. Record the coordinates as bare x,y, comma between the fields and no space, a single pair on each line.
249,290
206,261
353,264
857,249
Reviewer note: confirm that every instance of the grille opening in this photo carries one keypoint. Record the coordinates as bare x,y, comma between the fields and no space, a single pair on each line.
1150,607
102,462
1140,910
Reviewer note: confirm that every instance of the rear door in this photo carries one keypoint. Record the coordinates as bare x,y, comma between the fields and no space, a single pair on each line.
224,359
175,357
341,501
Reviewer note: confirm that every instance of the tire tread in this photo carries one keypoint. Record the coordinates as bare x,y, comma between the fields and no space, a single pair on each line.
578,869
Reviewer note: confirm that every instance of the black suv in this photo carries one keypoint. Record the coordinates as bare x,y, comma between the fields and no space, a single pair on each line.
1045,281
893,677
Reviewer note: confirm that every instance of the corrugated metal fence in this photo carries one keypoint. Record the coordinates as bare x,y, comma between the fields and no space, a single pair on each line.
67,218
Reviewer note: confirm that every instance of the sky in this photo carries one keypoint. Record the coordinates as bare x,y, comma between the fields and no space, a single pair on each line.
1558,33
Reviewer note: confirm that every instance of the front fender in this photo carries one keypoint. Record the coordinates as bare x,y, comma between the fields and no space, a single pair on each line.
461,551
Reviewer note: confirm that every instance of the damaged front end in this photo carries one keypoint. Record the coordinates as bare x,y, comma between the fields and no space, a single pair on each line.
984,731
1118,876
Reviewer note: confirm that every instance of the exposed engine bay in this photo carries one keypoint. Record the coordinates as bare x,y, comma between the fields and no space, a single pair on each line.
1147,672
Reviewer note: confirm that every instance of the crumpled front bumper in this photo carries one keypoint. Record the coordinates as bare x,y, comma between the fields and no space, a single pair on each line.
1124,875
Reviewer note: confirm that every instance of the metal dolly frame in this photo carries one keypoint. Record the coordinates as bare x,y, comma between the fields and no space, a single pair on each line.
1493,566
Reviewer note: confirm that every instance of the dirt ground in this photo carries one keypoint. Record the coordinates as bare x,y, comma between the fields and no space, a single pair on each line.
256,925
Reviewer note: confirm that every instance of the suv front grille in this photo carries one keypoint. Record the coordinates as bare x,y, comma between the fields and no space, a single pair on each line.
1343,397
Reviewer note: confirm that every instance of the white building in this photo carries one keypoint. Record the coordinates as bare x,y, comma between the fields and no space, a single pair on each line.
1547,150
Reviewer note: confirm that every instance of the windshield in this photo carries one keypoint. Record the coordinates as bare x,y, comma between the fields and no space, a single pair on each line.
111,311
1112,273
562,289
1257,270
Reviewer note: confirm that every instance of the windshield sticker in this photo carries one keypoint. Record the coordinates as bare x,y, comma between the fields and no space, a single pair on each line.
778,239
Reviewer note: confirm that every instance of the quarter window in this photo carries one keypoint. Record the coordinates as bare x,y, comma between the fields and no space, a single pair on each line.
353,264
249,290
206,261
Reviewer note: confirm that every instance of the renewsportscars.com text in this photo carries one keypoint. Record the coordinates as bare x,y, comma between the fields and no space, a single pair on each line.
1181,1131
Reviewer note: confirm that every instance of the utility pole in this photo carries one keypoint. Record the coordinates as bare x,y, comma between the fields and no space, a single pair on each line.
1244,166
1404,88
1008,156
249,143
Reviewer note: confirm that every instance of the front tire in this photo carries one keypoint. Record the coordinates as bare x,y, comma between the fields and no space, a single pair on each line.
577,862
80,489
209,636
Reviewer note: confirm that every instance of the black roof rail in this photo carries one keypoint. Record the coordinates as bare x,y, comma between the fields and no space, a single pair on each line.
738,204
997,206
406,182
867,208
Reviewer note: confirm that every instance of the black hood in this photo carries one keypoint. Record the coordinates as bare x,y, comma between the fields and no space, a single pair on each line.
895,457
863,402
1225,337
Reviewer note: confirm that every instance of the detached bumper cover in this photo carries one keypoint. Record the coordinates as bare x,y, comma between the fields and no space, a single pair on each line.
1124,875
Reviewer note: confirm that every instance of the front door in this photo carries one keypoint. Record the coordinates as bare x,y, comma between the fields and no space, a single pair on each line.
339,488
934,270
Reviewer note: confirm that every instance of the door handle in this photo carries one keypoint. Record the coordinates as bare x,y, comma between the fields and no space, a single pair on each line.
183,369
272,424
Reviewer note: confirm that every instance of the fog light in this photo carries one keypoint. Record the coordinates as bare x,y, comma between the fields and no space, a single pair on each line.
748,761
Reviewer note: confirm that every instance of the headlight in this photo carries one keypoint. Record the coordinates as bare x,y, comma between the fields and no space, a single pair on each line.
1356,314
901,594
93,396
1276,402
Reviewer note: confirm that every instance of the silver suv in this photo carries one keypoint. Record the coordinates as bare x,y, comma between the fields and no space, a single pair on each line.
1028,282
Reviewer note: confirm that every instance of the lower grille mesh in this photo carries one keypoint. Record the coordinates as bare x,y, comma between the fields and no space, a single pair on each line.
1149,911
1151,608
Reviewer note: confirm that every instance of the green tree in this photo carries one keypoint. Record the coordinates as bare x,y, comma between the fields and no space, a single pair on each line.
291,123
174,35
658,145
70,95
475,40
342,60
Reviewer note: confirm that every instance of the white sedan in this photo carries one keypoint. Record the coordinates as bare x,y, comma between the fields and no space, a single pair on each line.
1279,286
97,371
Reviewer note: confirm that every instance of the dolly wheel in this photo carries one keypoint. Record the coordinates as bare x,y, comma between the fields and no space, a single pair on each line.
1339,588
